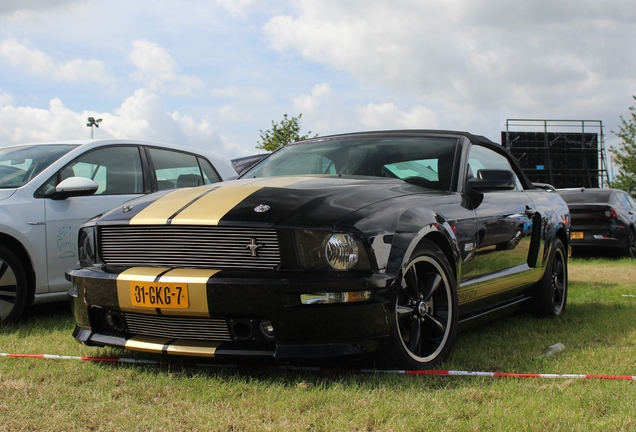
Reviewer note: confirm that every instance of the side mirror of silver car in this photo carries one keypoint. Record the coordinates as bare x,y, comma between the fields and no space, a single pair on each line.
74,186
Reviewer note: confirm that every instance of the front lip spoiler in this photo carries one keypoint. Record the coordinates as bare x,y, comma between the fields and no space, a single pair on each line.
185,347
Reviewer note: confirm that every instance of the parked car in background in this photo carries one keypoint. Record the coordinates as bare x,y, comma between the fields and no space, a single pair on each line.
48,190
379,243
602,220
244,163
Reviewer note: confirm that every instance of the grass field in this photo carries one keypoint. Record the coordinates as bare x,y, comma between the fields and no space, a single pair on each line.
598,331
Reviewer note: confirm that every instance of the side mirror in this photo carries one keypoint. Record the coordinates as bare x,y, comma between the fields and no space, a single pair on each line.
74,186
492,180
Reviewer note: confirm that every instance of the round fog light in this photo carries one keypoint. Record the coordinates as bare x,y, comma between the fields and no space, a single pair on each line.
267,329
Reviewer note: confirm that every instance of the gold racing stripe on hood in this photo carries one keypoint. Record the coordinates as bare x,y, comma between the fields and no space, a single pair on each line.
212,207
196,279
160,211
205,206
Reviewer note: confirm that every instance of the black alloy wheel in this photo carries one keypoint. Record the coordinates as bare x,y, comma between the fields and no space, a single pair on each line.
13,286
425,321
552,290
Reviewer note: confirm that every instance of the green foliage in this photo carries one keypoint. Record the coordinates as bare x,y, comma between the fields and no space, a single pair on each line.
625,156
281,134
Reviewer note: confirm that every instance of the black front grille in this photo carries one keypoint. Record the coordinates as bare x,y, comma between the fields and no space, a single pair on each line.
207,329
189,246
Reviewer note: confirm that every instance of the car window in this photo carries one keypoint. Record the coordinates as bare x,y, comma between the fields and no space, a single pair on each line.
117,170
632,203
622,199
425,161
18,165
209,174
176,169
484,158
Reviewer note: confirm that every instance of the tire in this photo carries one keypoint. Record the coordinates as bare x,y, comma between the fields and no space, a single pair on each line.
552,291
13,287
425,304
630,249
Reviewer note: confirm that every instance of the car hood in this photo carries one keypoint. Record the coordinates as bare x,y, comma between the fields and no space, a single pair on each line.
299,200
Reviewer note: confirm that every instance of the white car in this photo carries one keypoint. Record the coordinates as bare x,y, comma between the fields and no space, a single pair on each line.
48,190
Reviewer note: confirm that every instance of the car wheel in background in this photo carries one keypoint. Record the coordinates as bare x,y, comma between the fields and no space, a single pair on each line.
552,290
425,320
13,286
630,250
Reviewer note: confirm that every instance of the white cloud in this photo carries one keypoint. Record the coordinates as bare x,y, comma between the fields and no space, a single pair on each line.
5,98
13,7
245,94
237,8
324,112
159,71
141,116
389,116
26,124
36,63
490,54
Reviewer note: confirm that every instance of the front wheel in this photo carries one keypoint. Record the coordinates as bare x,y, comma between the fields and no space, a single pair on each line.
425,311
13,286
552,291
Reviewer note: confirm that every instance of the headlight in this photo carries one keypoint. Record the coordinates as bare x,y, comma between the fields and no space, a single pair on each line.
341,251
86,242
320,250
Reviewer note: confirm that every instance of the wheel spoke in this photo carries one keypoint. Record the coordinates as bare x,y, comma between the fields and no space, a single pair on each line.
412,283
436,324
414,337
432,284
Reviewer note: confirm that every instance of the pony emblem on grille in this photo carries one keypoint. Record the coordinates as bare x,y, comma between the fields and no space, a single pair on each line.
253,247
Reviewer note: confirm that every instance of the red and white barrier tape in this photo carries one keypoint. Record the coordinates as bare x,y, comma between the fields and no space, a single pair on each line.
437,372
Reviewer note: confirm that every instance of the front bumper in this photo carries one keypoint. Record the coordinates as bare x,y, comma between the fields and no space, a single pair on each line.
227,311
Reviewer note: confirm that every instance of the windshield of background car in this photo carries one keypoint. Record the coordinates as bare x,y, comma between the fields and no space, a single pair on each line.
599,196
18,165
427,161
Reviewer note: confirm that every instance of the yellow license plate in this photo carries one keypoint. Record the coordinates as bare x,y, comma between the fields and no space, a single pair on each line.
162,295
577,235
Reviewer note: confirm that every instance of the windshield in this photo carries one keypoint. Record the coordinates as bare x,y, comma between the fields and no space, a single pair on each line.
18,165
426,161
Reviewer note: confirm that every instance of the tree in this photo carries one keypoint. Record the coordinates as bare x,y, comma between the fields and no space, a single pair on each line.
281,134
625,155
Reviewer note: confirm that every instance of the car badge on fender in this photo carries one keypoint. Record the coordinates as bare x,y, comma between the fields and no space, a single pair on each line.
261,208
126,208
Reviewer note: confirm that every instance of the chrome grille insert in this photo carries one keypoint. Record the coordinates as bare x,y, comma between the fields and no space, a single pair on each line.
208,329
189,246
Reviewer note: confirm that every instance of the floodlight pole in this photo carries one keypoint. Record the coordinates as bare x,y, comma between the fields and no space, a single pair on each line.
92,121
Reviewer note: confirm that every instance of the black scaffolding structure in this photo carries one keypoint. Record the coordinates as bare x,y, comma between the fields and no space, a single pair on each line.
563,153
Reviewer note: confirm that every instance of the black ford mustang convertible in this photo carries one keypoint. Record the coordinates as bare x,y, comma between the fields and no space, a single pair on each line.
382,243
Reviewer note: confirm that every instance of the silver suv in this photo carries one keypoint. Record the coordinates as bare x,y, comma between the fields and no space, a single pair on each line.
48,190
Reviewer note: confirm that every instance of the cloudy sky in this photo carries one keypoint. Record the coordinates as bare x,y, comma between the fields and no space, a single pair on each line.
211,74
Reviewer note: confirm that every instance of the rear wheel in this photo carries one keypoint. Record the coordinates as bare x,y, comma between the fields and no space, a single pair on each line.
425,312
552,290
13,286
